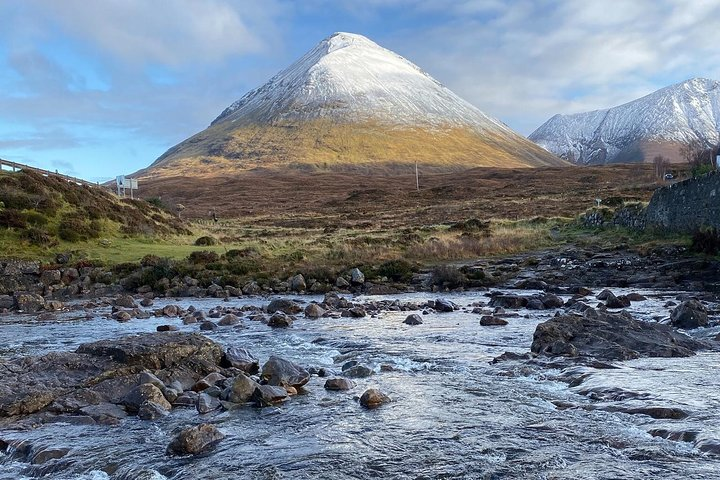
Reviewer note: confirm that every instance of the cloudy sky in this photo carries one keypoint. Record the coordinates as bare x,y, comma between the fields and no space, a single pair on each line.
103,87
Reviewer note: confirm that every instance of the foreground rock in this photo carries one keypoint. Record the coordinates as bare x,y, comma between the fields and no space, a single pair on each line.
689,314
195,440
279,372
373,398
105,372
610,337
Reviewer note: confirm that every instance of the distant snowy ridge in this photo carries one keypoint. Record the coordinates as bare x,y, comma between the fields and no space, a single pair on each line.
679,113
350,78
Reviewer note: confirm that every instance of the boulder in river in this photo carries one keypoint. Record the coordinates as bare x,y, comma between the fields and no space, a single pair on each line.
195,440
689,314
444,305
283,373
373,398
240,390
413,319
491,321
339,384
509,301
29,302
266,395
280,320
147,392
314,311
285,306
242,359
609,336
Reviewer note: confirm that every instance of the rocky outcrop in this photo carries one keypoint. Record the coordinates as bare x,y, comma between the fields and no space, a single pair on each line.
610,337
689,314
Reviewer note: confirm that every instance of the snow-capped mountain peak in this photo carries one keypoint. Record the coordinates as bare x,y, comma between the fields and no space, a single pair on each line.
677,114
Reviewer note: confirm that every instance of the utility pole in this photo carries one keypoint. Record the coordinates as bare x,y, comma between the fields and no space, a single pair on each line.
417,177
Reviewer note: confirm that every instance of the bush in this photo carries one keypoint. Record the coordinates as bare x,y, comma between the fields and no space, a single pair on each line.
447,276
243,266
471,225
35,218
74,228
39,237
203,257
706,241
12,218
157,203
396,270
206,241
244,253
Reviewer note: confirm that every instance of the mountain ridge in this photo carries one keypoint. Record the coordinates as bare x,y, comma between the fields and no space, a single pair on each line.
660,122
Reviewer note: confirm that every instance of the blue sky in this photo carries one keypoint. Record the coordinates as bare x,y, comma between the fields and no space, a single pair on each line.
103,87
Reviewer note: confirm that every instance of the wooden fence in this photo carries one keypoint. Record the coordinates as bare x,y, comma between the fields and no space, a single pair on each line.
14,166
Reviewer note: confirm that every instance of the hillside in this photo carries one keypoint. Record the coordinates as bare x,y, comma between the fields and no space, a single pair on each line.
38,213
349,102
657,124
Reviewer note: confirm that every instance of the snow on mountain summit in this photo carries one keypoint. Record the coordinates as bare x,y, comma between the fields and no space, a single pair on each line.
350,78
677,114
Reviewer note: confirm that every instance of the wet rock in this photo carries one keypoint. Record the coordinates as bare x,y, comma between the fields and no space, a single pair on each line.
444,305
46,454
186,399
229,320
208,381
206,404
282,373
676,436
241,359
125,301
297,283
280,320
611,301
341,283
170,311
241,389
285,306
339,384
195,440
636,297
167,328
208,326
151,411
551,300
348,365
358,371
357,277
710,446
490,320
53,305
29,302
141,394
122,316
148,377
251,288
413,319
266,395
314,311
6,302
609,336
104,413
689,314
535,303
357,312
146,302
509,301
666,413
373,398
605,294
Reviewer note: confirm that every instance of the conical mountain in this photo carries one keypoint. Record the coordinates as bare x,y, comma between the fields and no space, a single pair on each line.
657,124
349,102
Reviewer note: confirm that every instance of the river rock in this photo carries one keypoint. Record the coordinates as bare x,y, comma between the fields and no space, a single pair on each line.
611,301
297,283
206,404
208,326
509,301
46,454
170,311
125,301
340,282
148,377
339,383
266,395
167,328
358,371
6,302
689,314
147,392
373,398
241,389
550,300
151,411
29,302
280,320
195,440
283,373
229,320
208,381
314,311
491,320
413,319
186,399
357,277
104,413
607,336
444,305
241,359
285,306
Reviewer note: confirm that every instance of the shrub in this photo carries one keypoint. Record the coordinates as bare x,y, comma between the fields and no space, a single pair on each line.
74,228
206,241
243,266
203,257
157,202
235,253
396,270
471,225
448,276
12,218
706,241
39,237
36,218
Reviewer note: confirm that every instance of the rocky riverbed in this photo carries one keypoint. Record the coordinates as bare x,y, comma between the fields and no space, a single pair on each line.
510,383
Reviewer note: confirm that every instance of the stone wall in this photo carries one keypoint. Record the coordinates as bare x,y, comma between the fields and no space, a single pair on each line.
686,206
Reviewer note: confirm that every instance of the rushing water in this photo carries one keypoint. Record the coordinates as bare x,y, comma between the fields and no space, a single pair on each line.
453,415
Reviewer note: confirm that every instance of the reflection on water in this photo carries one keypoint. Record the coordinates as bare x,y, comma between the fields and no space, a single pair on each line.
453,414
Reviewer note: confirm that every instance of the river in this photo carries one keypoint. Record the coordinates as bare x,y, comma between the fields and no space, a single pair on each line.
453,414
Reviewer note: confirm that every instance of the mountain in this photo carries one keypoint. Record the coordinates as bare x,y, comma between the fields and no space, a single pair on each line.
657,124
350,102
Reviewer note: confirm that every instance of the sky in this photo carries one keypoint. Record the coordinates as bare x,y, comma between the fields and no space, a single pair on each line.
100,88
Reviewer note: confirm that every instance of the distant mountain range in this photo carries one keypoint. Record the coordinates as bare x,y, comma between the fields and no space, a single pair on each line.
350,102
657,124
